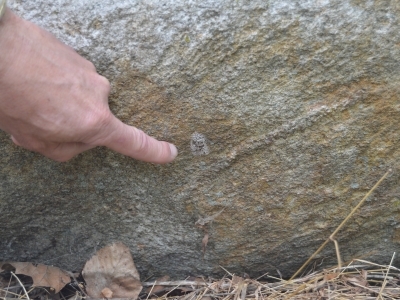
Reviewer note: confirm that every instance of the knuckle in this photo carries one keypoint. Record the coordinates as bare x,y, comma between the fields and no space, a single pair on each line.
98,118
105,84
100,84
95,125
90,65
104,81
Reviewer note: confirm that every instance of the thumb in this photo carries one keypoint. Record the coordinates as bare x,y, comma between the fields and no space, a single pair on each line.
130,141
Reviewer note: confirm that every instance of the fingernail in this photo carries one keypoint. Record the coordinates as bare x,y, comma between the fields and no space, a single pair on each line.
174,151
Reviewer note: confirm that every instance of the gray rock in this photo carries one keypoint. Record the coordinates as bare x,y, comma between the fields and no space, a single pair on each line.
297,103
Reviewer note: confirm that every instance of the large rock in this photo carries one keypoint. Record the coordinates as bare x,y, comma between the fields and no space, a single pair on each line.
285,113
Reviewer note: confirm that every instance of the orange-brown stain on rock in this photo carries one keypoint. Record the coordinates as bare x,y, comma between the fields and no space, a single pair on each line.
380,113
141,102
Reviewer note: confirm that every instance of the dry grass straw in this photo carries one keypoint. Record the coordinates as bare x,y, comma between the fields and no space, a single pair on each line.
23,287
360,279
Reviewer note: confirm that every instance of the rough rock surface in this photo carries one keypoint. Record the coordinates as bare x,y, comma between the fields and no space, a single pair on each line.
285,113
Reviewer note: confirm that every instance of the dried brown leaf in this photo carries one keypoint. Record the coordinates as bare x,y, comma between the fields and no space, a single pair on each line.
107,293
330,276
42,275
112,267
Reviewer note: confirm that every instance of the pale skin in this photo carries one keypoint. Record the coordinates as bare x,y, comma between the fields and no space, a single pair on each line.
52,100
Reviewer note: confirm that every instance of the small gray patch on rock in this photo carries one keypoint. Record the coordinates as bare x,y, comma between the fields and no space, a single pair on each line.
198,144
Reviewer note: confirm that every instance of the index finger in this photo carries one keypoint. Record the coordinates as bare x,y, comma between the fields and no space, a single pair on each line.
133,142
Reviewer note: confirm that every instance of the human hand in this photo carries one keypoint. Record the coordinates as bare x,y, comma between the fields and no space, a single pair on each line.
52,100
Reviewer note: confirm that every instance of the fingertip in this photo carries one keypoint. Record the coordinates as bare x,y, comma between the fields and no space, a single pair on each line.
174,151
133,142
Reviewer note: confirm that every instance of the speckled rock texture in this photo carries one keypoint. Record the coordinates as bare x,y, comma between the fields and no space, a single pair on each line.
285,113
